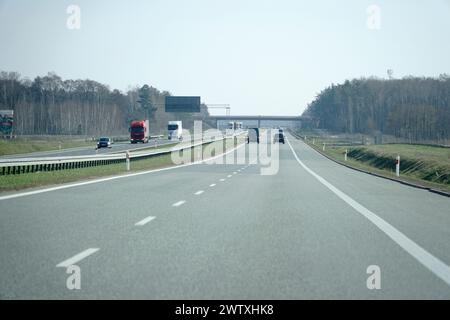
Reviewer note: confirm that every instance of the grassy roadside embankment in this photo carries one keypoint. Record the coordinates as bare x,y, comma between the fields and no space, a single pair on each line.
37,179
428,166
28,145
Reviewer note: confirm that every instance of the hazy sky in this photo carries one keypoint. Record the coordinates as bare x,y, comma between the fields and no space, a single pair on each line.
262,57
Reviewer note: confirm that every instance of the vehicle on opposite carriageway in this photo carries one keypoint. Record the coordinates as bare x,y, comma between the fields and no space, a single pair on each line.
104,142
139,131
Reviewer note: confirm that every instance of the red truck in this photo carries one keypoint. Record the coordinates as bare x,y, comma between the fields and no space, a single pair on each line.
139,131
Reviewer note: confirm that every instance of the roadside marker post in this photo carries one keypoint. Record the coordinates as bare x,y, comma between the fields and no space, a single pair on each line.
323,149
345,154
128,160
397,166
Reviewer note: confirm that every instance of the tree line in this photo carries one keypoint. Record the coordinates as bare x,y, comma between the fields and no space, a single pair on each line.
51,105
413,108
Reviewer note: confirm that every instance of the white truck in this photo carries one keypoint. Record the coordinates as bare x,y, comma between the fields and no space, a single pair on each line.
175,130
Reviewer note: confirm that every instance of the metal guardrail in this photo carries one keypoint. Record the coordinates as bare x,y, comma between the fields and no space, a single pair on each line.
43,164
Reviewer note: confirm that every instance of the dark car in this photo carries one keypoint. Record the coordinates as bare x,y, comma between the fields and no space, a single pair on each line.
279,137
104,142
253,135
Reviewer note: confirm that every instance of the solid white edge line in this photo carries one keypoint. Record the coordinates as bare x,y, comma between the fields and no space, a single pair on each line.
199,192
144,221
436,266
179,203
65,186
77,258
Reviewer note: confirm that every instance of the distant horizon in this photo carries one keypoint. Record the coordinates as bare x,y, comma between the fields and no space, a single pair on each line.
216,113
260,57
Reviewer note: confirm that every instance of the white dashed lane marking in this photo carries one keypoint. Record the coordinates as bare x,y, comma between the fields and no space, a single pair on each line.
179,203
77,258
144,221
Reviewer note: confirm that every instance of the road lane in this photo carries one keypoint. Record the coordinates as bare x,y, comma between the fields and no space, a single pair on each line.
422,215
229,245
48,227
84,151
435,265
253,236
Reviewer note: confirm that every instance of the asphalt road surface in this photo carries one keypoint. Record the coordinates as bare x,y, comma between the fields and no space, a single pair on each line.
84,151
224,231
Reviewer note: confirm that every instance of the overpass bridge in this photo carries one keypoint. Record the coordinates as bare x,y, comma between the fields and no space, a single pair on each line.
288,121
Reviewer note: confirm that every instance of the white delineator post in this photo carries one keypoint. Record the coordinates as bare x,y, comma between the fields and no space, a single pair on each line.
345,154
323,149
128,160
397,166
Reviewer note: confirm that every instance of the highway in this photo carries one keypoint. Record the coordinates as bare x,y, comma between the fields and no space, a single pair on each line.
224,231
85,151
